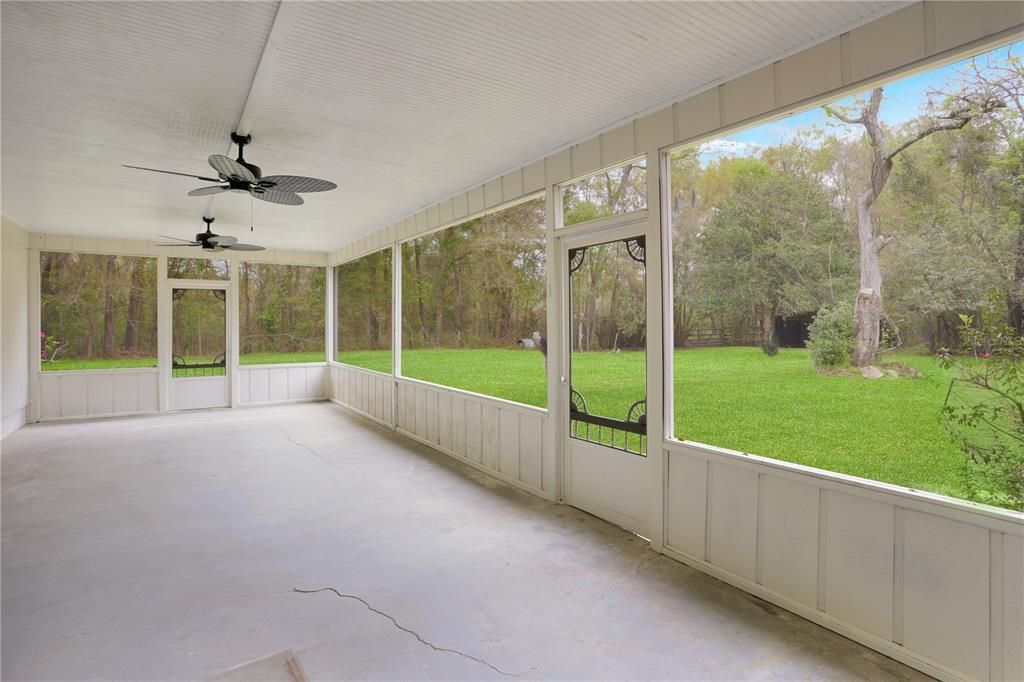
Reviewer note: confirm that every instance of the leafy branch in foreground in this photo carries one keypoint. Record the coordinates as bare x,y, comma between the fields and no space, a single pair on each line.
984,409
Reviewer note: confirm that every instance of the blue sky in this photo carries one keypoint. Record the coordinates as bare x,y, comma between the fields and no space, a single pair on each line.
904,99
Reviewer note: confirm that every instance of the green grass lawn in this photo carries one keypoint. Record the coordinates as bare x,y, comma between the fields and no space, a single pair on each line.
738,398
62,364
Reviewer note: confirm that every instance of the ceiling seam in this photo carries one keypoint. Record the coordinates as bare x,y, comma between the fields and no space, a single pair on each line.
260,77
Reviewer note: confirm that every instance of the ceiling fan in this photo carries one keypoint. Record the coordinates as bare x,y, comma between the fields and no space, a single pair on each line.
238,175
212,242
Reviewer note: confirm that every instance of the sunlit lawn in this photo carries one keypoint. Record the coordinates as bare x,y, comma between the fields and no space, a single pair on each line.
738,398
62,364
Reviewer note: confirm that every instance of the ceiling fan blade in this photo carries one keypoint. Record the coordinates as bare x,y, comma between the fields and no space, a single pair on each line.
230,168
245,247
276,197
157,170
221,240
188,244
204,191
178,239
296,183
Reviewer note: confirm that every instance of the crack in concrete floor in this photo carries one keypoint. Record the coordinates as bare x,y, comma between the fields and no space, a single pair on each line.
412,632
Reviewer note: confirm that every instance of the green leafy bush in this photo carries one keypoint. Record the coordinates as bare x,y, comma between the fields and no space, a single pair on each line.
831,336
984,409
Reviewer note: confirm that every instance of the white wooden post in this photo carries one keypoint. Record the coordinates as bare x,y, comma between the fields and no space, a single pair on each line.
396,327
556,323
34,411
659,344
231,307
163,334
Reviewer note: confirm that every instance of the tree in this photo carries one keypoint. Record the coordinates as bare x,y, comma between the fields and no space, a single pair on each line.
771,247
868,306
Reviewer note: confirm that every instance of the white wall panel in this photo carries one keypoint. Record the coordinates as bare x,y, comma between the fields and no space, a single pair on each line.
502,438
261,384
508,437
49,396
788,538
809,73
732,519
74,395
686,516
936,584
14,326
859,559
946,591
531,450
100,391
1012,603
490,443
278,384
126,389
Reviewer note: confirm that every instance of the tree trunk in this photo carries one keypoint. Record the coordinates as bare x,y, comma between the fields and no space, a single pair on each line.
766,321
867,311
108,309
1014,302
134,307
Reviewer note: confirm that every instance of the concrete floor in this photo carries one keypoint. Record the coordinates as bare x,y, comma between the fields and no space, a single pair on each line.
169,547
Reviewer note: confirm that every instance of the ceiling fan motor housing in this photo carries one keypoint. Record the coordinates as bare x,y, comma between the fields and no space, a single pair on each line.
241,141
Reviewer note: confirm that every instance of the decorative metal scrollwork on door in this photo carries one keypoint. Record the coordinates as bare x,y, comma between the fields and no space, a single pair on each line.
605,419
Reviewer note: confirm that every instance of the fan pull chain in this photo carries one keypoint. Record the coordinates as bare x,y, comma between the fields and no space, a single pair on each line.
251,202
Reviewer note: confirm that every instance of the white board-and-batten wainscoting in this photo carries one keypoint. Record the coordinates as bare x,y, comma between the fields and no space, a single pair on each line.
504,439
928,580
269,384
97,393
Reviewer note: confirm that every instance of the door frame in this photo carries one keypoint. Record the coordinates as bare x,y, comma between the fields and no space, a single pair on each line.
166,334
616,228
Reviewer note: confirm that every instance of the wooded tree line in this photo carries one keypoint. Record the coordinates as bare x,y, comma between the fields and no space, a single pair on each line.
282,307
362,301
930,212
478,284
96,306
100,306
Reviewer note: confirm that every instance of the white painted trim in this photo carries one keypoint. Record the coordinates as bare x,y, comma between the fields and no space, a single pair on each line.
163,335
268,403
357,368
233,339
656,348
278,365
111,370
35,325
598,225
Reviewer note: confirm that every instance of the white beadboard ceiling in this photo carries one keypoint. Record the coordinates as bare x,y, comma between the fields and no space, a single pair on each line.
400,103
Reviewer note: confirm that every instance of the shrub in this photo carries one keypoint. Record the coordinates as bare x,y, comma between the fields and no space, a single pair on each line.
984,409
831,336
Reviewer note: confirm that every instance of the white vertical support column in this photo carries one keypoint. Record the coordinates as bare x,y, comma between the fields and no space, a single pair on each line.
658,363
163,335
231,306
34,412
556,323
329,313
396,327
329,323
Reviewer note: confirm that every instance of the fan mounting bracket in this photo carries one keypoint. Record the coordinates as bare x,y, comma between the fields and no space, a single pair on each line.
241,140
